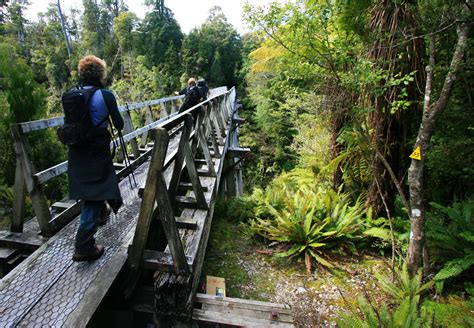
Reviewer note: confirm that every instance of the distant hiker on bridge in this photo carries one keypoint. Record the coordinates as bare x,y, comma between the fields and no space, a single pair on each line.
91,172
203,89
192,95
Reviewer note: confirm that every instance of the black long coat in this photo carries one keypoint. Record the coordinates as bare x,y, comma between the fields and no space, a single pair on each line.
91,172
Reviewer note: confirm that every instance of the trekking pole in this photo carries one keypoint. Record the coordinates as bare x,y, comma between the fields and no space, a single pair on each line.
127,160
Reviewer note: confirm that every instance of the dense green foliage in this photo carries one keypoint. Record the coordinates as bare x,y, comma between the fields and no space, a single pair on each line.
213,50
333,95
146,59
333,88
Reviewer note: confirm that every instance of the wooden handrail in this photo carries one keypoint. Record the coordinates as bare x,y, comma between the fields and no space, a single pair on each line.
167,123
42,124
34,180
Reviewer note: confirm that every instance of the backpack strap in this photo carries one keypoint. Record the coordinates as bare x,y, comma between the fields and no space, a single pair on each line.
88,93
103,120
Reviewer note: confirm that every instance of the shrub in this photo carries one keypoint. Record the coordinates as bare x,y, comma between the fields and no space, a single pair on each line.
405,293
308,221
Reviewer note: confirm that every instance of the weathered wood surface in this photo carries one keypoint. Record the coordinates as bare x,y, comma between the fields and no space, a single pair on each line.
49,286
236,311
23,241
38,198
148,202
174,295
57,121
236,320
247,307
165,207
18,199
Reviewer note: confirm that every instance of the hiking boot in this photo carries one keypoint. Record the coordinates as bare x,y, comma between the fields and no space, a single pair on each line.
104,215
91,256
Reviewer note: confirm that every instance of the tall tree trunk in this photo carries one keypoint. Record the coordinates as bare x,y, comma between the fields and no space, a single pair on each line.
431,112
398,52
63,26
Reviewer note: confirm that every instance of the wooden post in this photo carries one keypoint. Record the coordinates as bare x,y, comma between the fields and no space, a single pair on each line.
148,120
197,128
185,155
40,203
163,110
155,190
169,225
230,177
191,168
221,115
204,147
18,199
228,107
217,128
179,161
212,135
128,127
148,201
174,107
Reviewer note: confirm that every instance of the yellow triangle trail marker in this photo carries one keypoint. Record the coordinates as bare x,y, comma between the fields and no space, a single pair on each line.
416,154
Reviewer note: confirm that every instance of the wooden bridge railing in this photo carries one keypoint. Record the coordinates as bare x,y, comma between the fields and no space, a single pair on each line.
181,187
29,180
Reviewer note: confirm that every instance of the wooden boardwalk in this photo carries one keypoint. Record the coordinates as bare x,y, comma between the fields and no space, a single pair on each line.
163,227
49,289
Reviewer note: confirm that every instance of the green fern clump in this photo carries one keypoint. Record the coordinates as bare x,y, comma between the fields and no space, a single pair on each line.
402,311
311,221
451,238
379,229
403,286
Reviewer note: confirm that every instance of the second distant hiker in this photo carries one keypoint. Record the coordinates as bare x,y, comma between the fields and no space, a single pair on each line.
192,95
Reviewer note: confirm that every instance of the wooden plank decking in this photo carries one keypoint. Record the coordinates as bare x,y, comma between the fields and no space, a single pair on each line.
241,312
49,289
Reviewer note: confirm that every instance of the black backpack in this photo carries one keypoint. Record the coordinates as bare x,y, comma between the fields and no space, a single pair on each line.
203,88
193,96
77,129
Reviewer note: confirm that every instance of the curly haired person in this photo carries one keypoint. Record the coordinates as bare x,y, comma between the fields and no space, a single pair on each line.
91,173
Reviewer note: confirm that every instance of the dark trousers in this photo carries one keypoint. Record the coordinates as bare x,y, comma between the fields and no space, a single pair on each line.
90,213
183,107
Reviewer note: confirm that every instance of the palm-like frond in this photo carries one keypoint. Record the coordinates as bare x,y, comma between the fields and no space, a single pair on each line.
312,222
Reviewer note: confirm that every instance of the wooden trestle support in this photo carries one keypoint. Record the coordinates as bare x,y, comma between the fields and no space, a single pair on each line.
180,192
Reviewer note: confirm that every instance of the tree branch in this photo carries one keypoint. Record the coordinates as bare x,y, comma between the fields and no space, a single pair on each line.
440,104
394,179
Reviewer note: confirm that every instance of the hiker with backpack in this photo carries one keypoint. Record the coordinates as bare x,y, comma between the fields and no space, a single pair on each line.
203,89
91,172
192,95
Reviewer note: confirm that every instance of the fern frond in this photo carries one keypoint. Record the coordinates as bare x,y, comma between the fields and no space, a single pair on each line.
454,268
